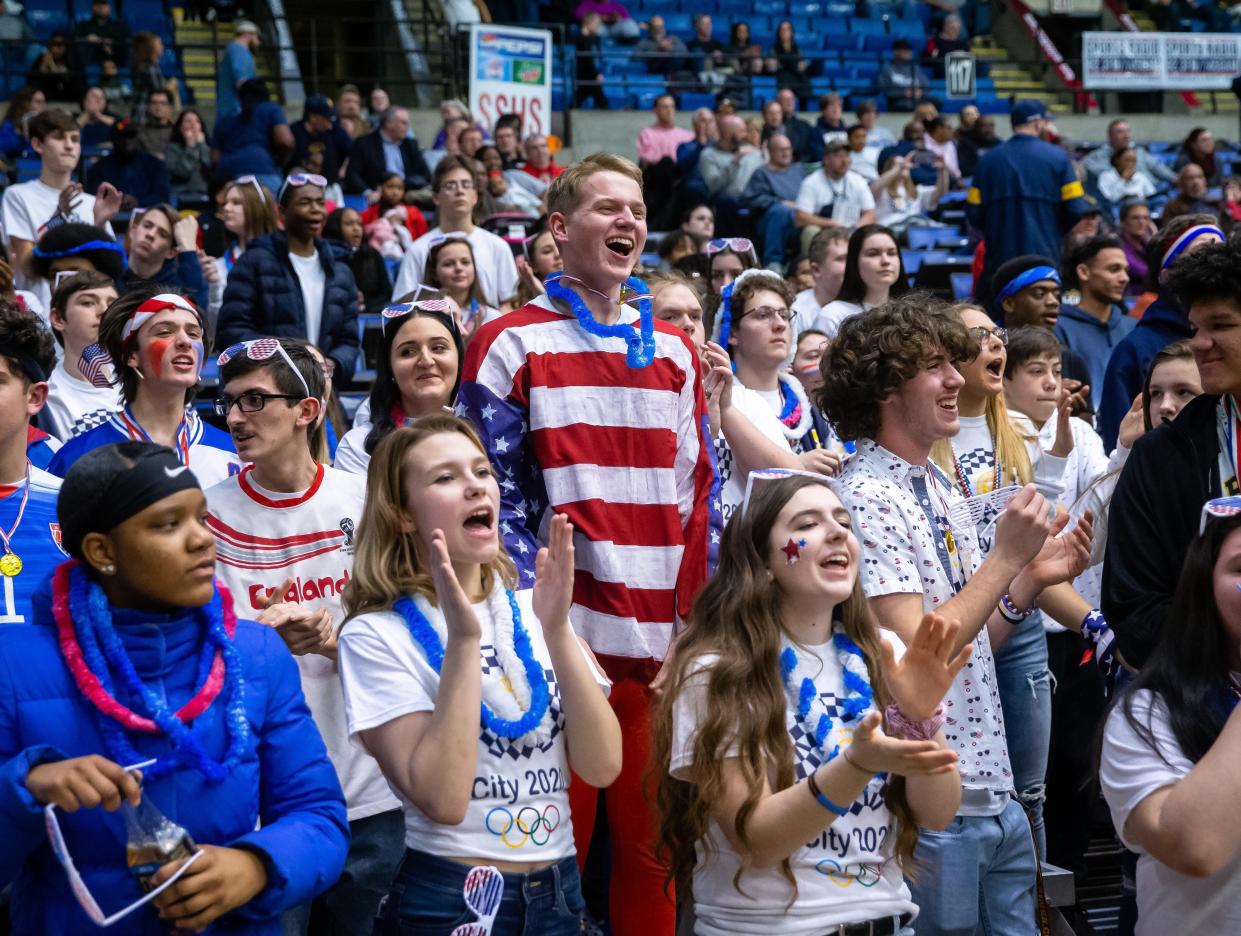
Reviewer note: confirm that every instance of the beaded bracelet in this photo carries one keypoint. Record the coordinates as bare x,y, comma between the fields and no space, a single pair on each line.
823,800
1011,613
923,730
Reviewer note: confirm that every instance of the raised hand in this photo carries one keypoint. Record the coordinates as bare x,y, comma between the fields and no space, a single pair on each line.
459,618
1133,425
872,751
108,202
918,681
211,272
553,576
84,783
1064,429
1063,558
70,198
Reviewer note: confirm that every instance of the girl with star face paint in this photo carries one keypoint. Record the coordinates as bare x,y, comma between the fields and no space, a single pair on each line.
151,344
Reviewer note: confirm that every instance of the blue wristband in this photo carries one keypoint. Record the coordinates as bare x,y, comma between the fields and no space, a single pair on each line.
823,800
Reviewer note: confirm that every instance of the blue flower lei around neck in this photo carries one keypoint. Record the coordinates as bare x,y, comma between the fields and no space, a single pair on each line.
860,699
103,652
639,345
432,647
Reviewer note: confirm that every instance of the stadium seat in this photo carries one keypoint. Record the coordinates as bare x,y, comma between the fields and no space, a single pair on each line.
877,43
962,286
921,238
770,8
911,29
679,24
868,27
692,100
842,40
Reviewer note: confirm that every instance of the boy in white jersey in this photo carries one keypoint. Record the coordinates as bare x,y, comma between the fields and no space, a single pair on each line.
74,404
284,538
890,381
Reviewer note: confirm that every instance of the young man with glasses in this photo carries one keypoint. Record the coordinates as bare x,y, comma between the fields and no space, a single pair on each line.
455,198
891,383
284,530
294,284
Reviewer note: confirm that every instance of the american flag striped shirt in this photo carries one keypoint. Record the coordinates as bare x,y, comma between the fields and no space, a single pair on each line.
624,453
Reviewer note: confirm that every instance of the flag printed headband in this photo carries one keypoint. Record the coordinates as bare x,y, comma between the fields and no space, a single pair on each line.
1181,243
260,349
161,303
1028,278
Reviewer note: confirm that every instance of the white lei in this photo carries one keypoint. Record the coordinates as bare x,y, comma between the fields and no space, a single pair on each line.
799,431
841,733
506,693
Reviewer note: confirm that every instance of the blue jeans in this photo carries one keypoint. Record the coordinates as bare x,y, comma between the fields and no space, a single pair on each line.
775,227
349,906
426,900
977,877
1025,695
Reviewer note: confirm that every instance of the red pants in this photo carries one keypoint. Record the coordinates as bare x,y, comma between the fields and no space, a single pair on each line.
638,904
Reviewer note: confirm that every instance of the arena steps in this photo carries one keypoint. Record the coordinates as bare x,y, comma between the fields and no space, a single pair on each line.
200,44
1014,79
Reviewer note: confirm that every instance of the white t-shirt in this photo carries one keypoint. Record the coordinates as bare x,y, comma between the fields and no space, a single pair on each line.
313,281
751,405
846,874
493,263
806,309
837,311
848,196
1130,771
264,538
75,406
351,454
27,208
519,803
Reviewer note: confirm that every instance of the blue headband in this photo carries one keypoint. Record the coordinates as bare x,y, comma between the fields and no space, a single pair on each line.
81,248
726,304
1033,275
1182,242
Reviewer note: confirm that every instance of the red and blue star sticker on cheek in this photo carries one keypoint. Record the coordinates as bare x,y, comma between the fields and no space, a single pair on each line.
792,551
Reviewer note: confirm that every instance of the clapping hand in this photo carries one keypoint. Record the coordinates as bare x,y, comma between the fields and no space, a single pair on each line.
1133,425
303,630
553,576
459,618
1064,429
918,681
70,198
873,751
1063,558
108,201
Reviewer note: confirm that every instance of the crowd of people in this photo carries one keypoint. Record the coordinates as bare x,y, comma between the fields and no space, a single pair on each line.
780,595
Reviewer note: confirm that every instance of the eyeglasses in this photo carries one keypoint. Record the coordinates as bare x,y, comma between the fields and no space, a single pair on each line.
457,185
767,314
260,349
298,179
777,474
78,886
986,335
735,244
249,402
483,892
1219,508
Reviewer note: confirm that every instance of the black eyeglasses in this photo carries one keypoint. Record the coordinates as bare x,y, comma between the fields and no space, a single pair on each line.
250,402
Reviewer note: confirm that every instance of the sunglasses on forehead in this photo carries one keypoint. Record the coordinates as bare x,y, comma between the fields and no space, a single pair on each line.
260,349
760,476
298,179
735,244
254,181
445,307
1220,508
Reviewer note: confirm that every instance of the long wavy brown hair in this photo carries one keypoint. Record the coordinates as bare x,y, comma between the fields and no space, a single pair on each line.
390,562
736,619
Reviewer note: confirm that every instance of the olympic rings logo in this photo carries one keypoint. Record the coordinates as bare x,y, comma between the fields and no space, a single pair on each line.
534,826
867,874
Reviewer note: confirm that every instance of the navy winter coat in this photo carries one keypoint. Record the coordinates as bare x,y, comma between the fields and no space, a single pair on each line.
264,298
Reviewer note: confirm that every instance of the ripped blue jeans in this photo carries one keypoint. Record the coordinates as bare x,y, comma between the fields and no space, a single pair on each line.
1025,685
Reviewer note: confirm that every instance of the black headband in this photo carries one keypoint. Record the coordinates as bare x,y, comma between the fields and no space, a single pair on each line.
29,366
155,474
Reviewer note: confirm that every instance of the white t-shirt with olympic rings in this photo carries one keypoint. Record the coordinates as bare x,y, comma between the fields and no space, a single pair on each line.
519,803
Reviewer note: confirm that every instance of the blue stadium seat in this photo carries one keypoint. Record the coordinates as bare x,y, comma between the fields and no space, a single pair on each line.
842,40
872,43
356,202
962,286
644,100
921,238
679,23
45,22
734,9
770,8
692,100
836,10
868,27
909,28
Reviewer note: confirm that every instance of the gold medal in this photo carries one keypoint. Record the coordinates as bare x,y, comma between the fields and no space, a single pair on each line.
10,564
948,541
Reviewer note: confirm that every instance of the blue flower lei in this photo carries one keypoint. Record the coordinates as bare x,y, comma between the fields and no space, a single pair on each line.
639,345
428,640
92,618
853,706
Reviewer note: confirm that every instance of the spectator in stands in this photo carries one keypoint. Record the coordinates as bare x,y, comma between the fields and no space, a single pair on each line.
745,56
73,246
451,111
105,35
796,129
1025,195
56,71
14,30
450,268
792,70
455,198
727,258
901,80
318,132
1099,160
24,106
506,192
148,76
188,156
975,142
1136,230
163,251
830,125
940,139
255,140
539,164
1163,322
95,122
74,404
392,205
868,116
874,273
700,220
390,148
116,89
539,259
616,23
29,208
839,197
1198,149
155,129
249,212
236,67
712,67
948,39
862,157
827,255
452,131
344,228
292,284
1191,197
1230,201
706,131
664,53
1093,327
1122,179
378,103
726,167
469,142
508,140
349,111
900,202
142,177
772,197
660,140
589,57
